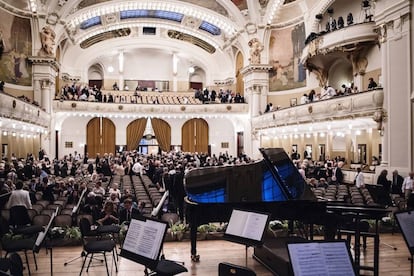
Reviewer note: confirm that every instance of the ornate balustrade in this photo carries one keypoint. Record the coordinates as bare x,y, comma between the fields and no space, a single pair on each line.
365,104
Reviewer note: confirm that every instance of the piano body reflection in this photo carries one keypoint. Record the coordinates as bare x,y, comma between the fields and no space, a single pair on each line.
271,185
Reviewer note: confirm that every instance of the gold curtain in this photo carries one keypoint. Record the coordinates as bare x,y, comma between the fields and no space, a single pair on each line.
162,131
239,75
97,143
135,131
194,135
201,136
93,137
108,136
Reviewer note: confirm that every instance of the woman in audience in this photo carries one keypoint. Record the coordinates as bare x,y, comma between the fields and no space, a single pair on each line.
108,215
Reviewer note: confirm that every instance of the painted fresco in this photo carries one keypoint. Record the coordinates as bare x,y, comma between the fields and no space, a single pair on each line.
285,49
241,4
15,47
20,4
209,4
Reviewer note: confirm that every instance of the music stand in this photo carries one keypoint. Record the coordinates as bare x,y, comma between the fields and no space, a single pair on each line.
42,239
246,227
143,243
321,258
405,220
75,211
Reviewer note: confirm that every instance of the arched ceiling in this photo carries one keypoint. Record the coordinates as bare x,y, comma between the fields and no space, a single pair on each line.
203,30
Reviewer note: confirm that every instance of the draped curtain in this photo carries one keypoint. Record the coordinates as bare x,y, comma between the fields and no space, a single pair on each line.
100,136
135,131
162,131
194,135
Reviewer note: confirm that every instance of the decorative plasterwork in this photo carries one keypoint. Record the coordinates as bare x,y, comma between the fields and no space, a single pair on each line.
227,81
105,109
256,68
67,77
45,61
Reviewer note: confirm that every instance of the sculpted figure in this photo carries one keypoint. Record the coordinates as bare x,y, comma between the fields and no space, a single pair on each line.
47,38
255,49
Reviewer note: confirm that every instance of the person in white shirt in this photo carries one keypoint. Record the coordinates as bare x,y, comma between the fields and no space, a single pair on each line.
137,168
329,92
359,179
408,185
19,197
115,190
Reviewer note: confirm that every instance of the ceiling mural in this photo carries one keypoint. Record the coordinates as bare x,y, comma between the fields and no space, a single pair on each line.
87,3
241,4
20,4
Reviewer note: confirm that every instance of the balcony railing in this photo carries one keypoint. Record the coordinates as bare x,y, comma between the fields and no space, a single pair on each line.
363,104
20,110
103,109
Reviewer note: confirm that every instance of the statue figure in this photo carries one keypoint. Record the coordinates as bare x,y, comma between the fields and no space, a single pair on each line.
255,49
47,38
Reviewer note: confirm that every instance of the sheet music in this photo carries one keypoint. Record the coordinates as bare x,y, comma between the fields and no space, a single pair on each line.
319,258
406,222
247,224
144,238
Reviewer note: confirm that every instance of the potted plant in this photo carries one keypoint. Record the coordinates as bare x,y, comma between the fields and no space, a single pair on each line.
178,229
278,228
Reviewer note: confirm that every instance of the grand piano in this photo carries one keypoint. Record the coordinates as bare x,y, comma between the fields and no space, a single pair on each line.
272,185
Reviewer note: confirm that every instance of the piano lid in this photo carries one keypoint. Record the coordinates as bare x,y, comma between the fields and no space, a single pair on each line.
274,178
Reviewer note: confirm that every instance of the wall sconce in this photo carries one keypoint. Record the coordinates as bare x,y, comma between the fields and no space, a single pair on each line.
5,133
14,134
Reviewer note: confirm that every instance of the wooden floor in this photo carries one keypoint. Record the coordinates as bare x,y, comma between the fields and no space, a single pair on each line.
392,262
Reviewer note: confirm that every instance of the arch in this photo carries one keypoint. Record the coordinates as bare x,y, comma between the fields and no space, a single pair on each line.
194,136
100,136
239,75
340,73
135,131
95,75
162,131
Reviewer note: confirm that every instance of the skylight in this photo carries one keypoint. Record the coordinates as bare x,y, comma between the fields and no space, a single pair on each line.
91,22
208,27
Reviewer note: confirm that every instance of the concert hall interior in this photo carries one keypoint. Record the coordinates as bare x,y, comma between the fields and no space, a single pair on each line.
183,111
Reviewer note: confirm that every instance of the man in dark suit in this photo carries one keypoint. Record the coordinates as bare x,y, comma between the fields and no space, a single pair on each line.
126,213
337,175
397,181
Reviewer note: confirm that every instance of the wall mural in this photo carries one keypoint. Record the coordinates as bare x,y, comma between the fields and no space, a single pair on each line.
15,47
285,50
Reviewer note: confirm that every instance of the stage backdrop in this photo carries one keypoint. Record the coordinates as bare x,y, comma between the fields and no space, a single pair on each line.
285,50
15,47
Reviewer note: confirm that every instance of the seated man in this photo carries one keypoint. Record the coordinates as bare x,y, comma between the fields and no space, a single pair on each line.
126,213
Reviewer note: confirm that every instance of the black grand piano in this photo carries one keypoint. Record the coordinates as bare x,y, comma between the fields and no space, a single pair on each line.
272,185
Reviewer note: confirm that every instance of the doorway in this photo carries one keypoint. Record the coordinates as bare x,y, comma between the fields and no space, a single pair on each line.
322,152
362,153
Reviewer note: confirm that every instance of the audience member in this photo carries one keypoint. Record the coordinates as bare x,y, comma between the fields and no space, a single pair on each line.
19,197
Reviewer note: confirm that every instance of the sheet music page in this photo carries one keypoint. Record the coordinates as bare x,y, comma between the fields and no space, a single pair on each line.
313,259
236,224
254,226
406,222
144,238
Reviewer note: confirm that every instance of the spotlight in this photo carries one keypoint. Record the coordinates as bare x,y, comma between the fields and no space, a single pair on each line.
330,10
319,16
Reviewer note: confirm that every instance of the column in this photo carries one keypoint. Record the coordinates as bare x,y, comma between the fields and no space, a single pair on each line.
46,98
255,104
386,81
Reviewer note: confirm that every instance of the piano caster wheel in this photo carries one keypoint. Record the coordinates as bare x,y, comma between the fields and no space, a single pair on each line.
195,258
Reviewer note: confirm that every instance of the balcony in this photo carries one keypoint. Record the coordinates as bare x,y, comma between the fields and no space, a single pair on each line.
360,105
16,109
139,110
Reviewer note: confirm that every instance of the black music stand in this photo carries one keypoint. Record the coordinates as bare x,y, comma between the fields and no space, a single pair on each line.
405,220
43,239
143,243
246,227
75,211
